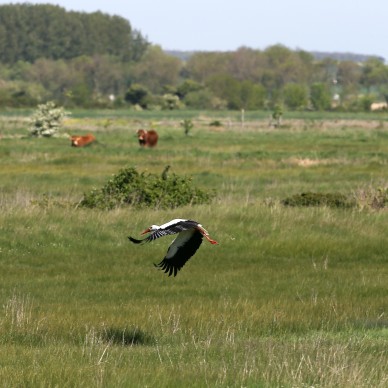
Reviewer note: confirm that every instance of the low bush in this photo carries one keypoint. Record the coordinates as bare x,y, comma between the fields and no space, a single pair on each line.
320,199
216,123
131,188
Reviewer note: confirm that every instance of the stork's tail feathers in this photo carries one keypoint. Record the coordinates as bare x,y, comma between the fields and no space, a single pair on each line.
135,241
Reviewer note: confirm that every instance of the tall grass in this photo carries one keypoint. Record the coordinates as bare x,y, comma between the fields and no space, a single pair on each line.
290,297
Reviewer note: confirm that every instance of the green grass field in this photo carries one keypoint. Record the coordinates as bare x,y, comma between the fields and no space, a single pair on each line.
291,297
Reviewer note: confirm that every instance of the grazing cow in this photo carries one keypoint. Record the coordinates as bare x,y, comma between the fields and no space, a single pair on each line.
82,141
147,138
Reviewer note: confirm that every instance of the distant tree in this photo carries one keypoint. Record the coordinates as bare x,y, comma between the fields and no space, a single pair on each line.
252,95
226,87
374,73
188,86
348,74
171,102
320,96
272,82
246,64
138,46
204,65
365,102
203,99
137,95
295,96
156,69
29,32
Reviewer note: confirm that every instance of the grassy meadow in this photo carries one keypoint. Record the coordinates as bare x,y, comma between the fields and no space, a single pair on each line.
291,297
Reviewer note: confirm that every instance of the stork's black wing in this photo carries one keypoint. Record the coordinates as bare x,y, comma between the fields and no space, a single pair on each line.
135,241
153,236
181,249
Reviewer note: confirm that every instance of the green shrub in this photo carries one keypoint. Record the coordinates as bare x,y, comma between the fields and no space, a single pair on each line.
320,199
216,123
131,188
187,124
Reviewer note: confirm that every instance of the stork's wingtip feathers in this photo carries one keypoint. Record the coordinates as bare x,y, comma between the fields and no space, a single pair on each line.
134,240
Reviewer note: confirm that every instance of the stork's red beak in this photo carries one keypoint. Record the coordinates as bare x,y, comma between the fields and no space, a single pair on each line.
146,231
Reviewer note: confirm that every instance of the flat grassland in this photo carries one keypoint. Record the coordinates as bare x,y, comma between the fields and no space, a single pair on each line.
291,297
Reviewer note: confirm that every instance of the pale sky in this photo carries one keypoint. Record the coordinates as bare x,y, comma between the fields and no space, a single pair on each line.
356,26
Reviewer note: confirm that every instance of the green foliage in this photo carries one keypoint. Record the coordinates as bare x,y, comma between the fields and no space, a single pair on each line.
237,94
131,188
335,200
187,124
188,86
277,115
295,96
365,102
171,102
46,120
137,95
215,123
156,70
320,96
203,99
45,31
374,73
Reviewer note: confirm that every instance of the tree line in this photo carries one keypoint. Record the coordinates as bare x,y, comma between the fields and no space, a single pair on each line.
98,60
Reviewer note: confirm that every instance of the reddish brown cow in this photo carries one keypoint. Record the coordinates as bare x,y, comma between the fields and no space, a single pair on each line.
82,141
147,138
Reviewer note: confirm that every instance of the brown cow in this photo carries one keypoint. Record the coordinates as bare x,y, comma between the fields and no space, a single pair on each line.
147,138
82,141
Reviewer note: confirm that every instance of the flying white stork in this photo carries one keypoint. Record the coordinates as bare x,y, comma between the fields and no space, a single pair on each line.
189,239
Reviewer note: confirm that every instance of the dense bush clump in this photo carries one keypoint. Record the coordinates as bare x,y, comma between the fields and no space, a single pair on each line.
320,199
131,188
46,120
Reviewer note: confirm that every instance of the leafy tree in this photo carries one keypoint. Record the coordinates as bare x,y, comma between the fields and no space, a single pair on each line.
246,64
295,96
29,32
188,86
171,102
202,66
137,95
348,74
365,102
374,73
156,69
203,99
226,87
252,95
320,96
